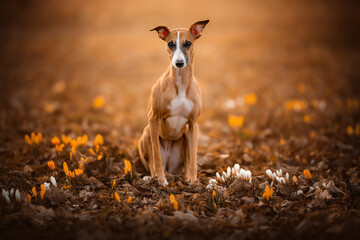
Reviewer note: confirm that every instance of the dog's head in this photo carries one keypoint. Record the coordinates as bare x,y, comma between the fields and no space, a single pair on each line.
180,42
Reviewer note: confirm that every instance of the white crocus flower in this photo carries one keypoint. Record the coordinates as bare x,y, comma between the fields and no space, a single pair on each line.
17,195
287,176
47,186
213,181
237,167
228,172
223,179
279,180
242,173
299,192
53,181
269,173
218,176
5,194
12,192
280,172
282,180
233,171
324,185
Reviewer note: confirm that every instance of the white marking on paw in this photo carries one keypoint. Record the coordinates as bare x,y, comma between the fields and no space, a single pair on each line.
165,183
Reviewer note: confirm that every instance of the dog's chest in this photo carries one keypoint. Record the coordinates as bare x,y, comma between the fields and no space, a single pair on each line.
180,107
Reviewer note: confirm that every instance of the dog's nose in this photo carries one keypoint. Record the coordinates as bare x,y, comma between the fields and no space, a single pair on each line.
179,64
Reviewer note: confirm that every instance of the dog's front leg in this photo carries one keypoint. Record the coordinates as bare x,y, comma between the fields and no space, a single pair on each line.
154,135
191,171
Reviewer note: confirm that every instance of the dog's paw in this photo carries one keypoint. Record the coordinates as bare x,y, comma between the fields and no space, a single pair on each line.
165,183
190,181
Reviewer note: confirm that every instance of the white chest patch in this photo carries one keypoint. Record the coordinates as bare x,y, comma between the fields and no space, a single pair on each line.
180,108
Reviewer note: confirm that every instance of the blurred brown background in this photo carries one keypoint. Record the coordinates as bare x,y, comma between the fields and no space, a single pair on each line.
57,56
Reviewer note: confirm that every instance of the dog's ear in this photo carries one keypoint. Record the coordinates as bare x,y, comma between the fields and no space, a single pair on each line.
197,28
162,31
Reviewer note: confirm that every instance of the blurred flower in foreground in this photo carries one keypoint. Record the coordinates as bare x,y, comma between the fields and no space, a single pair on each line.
295,105
82,140
51,165
82,163
98,140
128,172
213,193
268,193
117,198
301,88
5,195
78,172
66,169
352,103
129,200
65,139
29,198
92,151
33,190
127,167
98,102
113,185
33,139
47,186
236,121
282,142
17,195
42,191
307,174
59,148
53,181
174,202
350,130
55,140
306,118
250,99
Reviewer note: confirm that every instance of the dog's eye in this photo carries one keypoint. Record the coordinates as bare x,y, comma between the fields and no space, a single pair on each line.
171,44
187,44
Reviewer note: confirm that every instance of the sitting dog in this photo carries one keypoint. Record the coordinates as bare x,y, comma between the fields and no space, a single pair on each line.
169,141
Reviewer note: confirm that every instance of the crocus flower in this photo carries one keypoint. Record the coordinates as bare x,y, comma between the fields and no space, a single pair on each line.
42,191
268,193
17,195
53,181
47,186
98,140
5,194
55,140
51,165
117,198
307,174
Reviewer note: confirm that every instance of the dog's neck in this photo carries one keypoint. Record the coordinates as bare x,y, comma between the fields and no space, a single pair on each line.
182,77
